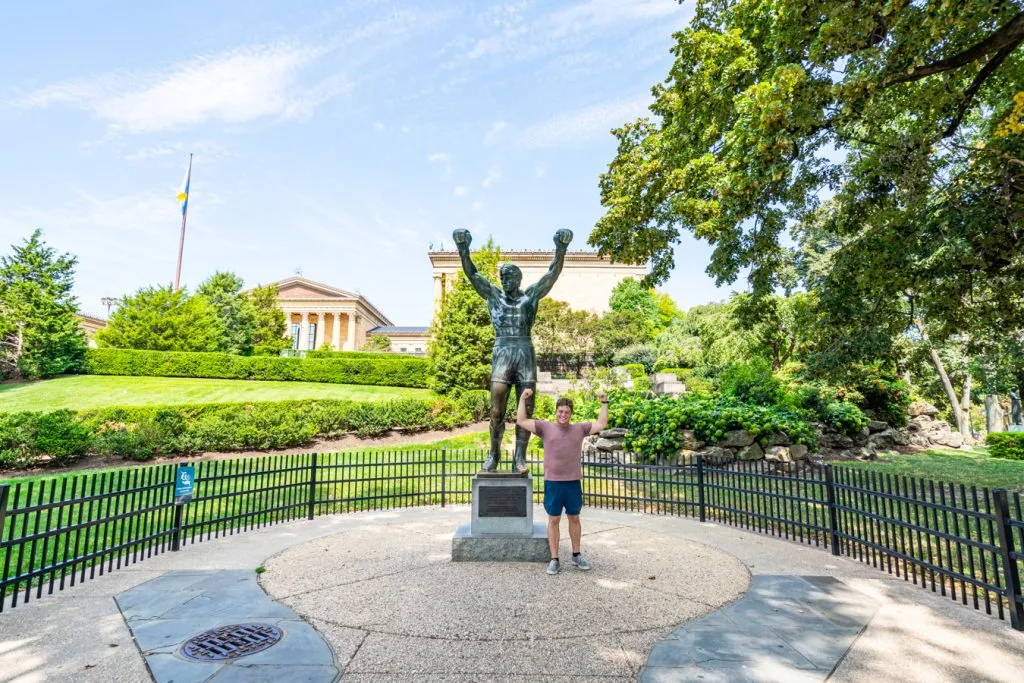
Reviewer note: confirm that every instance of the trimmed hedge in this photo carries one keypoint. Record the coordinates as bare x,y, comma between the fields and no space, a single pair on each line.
338,368
1008,445
140,433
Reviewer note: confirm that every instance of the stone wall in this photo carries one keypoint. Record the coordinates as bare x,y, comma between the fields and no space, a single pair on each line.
922,431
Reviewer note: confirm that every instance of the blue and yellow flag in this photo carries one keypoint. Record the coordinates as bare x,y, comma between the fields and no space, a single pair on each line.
183,192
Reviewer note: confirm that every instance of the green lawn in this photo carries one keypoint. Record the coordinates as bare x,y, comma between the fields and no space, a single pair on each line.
81,392
956,467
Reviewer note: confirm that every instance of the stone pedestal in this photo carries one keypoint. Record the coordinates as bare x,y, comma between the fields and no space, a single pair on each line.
501,528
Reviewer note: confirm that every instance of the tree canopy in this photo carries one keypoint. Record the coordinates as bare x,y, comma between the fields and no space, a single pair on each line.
462,335
161,319
224,292
39,331
909,113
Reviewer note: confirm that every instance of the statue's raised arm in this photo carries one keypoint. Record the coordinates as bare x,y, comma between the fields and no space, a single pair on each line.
541,287
481,284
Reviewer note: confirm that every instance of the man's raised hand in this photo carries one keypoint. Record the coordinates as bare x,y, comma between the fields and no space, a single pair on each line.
601,396
527,393
462,238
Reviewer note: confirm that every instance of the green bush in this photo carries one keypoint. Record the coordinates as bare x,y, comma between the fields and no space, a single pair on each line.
641,380
637,354
16,438
59,435
694,382
832,405
337,367
654,424
145,431
752,383
1008,445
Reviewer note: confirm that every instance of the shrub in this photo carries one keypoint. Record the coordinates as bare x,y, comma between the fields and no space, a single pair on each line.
142,432
654,424
637,354
336,367
1008,445
59,435
641,380
752,383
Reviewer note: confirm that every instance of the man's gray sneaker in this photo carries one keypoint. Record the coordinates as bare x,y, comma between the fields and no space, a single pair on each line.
580,562
553,567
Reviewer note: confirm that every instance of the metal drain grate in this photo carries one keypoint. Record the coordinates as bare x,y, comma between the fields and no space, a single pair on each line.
231,642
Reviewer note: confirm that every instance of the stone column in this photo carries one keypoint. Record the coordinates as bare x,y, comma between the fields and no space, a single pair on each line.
321,328
304,331
438,294
336,332
350,342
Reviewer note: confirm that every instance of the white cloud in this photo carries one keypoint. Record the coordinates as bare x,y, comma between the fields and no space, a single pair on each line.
205,150
576,24
442,158
493,176
461,191
378,126
494,131
571,128
241,85
477,206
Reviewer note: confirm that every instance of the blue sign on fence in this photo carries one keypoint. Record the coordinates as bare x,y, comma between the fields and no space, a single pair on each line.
184,482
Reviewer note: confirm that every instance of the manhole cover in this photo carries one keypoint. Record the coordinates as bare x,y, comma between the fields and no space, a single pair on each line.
231,642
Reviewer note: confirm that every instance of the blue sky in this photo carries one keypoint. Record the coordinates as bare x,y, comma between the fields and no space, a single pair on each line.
339,138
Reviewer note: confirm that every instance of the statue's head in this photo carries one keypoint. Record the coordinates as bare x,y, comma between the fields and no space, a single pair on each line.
511,277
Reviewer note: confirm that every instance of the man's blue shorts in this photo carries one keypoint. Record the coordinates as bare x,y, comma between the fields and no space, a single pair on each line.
563,494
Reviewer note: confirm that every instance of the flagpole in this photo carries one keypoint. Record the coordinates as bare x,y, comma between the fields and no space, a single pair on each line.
181,242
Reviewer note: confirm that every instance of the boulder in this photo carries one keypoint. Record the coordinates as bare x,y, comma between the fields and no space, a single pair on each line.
882,441
877,426
949,439
614,433
922,408
751,452
861,437
919,439
778,454
863,454
690,440
779,439
717,454
685,456
798,451
738,438
900,436
609,444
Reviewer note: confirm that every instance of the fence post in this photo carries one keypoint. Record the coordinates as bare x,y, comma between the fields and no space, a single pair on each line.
700,487
833,517
179,508
312,486
5,490
443,473
1011,575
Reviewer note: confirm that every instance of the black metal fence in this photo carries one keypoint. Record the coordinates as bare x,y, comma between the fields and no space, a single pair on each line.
963,542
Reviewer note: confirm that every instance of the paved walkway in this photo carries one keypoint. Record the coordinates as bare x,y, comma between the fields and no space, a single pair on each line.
784,628
166,612
393,607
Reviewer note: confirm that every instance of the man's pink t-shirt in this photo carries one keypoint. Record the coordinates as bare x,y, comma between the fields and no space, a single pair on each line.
563,449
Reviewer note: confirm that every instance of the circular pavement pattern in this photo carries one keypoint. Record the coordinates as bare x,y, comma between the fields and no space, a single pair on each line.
393,606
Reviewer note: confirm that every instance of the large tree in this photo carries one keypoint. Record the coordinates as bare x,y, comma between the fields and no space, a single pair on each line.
462,335
161,319
268,320
224,292
564,333
909,112
39,332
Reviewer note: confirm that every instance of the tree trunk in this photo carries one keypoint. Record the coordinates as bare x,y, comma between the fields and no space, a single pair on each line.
965,410
954,402
993,414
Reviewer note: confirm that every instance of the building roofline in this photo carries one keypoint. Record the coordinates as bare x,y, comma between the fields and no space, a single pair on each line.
342,293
